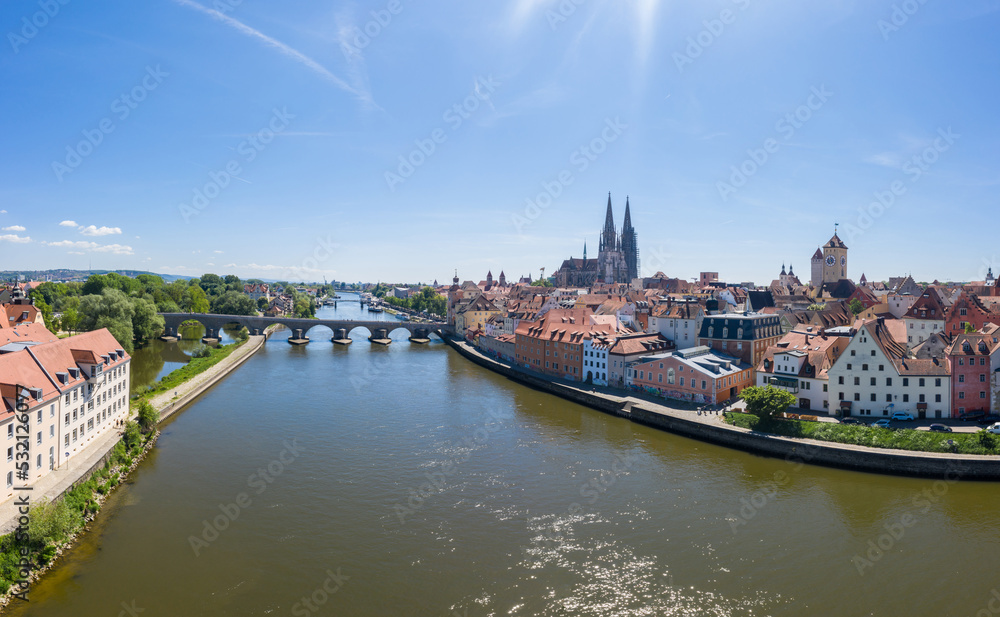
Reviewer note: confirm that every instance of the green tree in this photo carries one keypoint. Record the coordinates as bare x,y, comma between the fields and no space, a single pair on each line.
542,283
767,402
857,307
197,301
817,307
110,309
132,435
50,321
146,323
70,321
51,521
969,328
234,303
95,284
148,417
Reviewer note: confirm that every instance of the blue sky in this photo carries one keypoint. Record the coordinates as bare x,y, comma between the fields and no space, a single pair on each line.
278,140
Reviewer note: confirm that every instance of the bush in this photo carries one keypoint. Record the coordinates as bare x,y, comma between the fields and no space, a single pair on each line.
767,402
132,436
987,440
148,417
51,522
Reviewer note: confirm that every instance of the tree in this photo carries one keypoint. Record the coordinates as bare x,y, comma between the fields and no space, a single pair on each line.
111,309
148,417
234,303
197,301
95,284
767,402
816,307
70,320
857,307
542,283
132,436
146,323
970,329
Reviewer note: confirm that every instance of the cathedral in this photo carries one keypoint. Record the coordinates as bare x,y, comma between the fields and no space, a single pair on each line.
617,257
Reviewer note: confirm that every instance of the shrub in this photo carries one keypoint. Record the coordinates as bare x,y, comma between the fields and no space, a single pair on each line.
148,417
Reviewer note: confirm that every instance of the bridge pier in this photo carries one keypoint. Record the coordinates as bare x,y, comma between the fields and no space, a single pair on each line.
340,337
380,337
421,336
211,337
169,335
298,338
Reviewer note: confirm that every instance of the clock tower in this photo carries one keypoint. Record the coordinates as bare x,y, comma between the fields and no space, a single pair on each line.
834,260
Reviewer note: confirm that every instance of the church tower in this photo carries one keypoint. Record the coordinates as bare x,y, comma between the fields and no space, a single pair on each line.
834,260
609,237
630,247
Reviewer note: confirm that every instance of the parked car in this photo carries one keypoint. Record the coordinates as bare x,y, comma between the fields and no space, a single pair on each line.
851,421
939,428
986,420
881,423
993,428
903,415
972,415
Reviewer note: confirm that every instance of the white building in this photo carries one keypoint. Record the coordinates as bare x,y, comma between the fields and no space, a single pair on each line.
800,364
875,377
679,323
73,390
595,360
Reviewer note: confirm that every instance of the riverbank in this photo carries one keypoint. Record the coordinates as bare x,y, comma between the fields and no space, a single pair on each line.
57,483
712,429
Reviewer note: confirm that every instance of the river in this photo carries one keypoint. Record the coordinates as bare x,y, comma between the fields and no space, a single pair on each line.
404,480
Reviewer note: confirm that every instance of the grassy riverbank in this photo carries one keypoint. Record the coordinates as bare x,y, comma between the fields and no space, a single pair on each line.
53,525
195,366
872,437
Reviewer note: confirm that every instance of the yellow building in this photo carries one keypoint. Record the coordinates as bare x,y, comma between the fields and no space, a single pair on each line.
475,314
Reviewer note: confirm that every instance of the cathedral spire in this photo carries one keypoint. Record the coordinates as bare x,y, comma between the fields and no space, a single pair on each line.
609,237
627,226
584,250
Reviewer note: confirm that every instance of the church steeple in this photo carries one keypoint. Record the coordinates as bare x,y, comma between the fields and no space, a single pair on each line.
627,226
609,237
585,250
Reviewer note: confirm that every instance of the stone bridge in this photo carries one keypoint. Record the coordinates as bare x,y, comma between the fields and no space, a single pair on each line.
379,331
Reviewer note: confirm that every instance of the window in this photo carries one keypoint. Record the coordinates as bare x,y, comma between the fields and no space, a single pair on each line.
923,382
66,441
888,398
923,399
937,382
873,353
852,352
670,376
704,384
906,398
52,430
10,479
840,380
10,454
38,462
67,419
873,397
873,381
982,379
961,395
849,366
937,397
961,379
857,381
857,396
881,367
10,430
906,382
659,377
864,367
38,438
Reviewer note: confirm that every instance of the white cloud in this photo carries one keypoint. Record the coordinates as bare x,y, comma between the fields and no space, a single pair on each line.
3,212
68,224
14,228
92,230
217,252
93,247
16,239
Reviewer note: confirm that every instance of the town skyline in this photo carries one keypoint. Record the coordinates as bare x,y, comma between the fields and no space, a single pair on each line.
178,157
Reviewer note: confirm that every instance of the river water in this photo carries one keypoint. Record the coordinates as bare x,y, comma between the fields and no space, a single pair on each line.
404,480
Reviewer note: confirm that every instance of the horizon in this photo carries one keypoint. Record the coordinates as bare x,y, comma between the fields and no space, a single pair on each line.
396,141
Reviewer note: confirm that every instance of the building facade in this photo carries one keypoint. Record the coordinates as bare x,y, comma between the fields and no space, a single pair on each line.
743,336
697,375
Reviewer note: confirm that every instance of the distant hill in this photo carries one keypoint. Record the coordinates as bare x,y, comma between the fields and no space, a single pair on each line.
76,275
